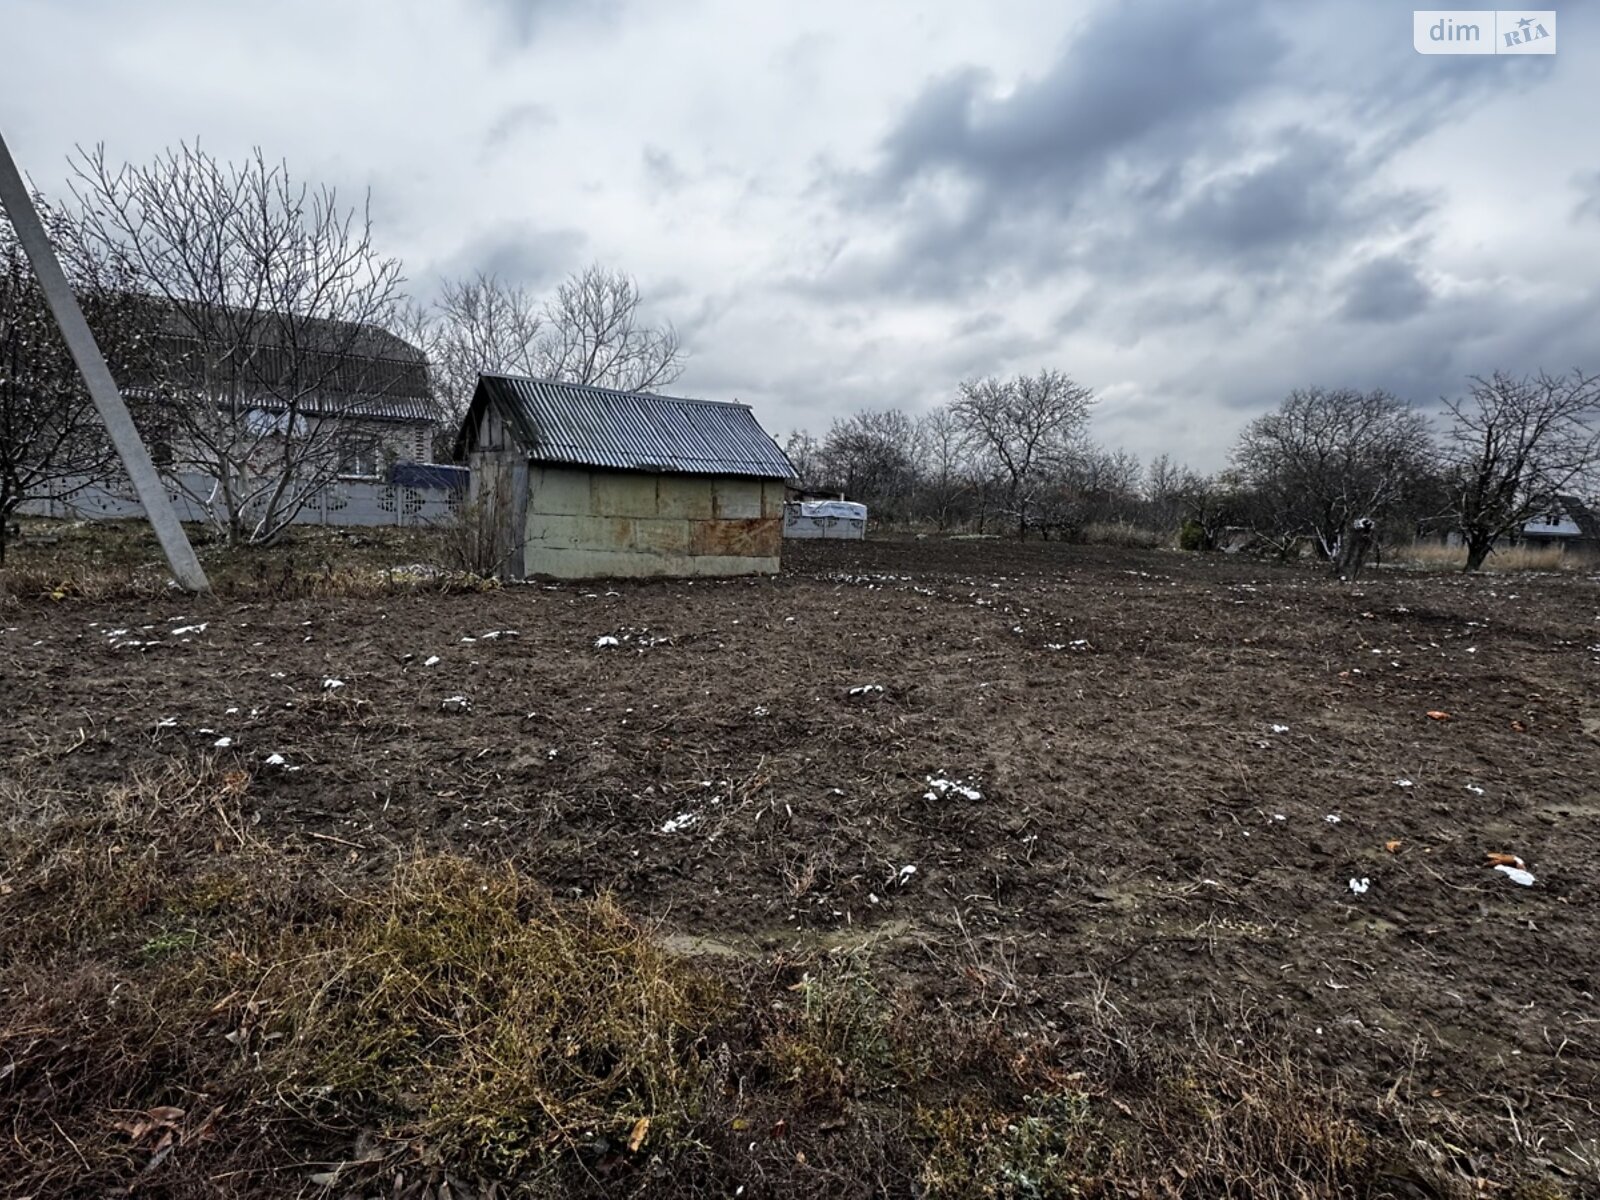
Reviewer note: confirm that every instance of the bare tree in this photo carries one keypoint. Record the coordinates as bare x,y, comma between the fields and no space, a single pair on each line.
943,462
594,335
589,331
804,453
1326,458
1513,447
1024,427
52,440
870,457
1165,482
272,299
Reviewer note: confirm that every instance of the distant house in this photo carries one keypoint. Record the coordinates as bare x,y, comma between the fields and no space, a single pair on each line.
1568,523
585,482
373,384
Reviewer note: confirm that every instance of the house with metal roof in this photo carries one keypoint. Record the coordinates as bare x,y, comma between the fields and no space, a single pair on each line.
582,482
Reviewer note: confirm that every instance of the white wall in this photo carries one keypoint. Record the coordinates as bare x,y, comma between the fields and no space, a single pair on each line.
346,502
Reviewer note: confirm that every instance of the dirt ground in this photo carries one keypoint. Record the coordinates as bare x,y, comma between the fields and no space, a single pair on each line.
1032,779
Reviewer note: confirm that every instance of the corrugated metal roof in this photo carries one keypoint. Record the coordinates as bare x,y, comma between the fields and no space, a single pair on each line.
634,431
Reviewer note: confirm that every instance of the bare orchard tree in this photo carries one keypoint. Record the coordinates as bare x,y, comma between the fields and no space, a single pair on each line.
943,463
589,331
594,335
1026,428
804,453
271,298
1327,457
52,440
1514,445
871,457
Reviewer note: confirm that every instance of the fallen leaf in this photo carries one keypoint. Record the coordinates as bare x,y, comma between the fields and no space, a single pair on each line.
1504,860
780,1129
1392,845
1438,714
1519,727
641,1128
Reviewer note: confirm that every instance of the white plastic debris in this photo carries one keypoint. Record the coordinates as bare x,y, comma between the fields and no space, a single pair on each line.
1333,818
1403,783
276,760
938,789
903,876
1516,874
607,640
455,704
1360,886
222,743
186,629
431,661
1278,728
760,710
681,821
332,685
866,689
1474,789
167,723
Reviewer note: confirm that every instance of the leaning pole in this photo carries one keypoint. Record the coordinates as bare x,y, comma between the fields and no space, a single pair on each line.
125,437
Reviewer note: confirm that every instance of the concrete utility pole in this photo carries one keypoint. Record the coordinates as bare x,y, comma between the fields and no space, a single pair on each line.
97,376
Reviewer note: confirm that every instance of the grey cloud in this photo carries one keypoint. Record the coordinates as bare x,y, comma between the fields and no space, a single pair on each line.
1587,184
1310,191
519,255
519,118
662,170
1385,289
1136,72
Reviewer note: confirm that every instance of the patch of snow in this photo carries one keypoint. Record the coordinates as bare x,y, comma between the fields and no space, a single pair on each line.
606,640
1278,728
332,685
1333,818
1403,783
455,704
1360,886
1474,789
431,661
681,821
222,743
276,760
185,629
903,876
941,788
167,723
866,689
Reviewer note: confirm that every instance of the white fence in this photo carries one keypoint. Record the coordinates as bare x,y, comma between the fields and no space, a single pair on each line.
344,502
840,519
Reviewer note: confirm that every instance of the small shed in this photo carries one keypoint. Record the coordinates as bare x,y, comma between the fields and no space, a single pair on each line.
840,519
582,482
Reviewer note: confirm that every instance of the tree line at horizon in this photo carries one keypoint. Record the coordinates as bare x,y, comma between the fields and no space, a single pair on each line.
1016,455
242,255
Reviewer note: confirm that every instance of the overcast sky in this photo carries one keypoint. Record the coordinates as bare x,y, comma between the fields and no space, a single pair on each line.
1190,206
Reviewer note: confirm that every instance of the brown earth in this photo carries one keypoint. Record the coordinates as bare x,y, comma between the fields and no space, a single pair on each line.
1160,775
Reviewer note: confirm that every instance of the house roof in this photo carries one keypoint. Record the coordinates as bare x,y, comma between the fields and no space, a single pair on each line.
579,425
358,369
1567,517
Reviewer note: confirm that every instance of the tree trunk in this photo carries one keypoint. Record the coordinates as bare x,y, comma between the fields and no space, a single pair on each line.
1478,548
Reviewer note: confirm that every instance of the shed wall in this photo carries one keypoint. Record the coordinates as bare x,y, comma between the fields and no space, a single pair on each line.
585,524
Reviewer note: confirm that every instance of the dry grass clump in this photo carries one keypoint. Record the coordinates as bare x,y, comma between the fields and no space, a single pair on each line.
1431,556
187,1009
1121,533
160,959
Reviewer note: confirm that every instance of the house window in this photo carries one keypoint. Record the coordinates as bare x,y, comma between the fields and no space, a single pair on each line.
362,461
